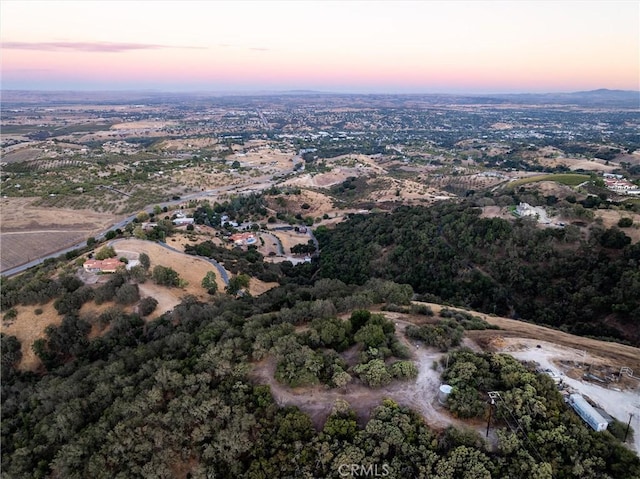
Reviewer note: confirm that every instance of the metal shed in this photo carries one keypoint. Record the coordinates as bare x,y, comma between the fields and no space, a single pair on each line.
588,413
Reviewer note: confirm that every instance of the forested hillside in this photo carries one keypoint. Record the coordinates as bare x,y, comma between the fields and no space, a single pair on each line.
173,398
176,397
585,285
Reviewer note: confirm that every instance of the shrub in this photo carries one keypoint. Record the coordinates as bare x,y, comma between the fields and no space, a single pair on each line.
423,309
165,276
147,306
625,222
374,373
403,370
127,294
105,252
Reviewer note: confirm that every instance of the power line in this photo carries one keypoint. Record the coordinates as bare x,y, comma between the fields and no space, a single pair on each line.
497,395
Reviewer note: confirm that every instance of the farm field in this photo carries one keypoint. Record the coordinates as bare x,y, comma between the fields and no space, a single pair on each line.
28,232
568,179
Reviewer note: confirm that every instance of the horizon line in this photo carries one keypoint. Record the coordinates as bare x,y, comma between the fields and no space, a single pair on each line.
312,91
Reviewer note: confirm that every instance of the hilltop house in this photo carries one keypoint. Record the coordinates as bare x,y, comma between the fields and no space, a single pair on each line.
241,239
525,209
109,265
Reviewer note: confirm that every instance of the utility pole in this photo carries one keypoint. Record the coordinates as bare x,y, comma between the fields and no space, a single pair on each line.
628,425
489,420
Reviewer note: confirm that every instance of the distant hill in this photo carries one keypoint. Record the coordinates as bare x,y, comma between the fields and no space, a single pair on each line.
602,98
594,98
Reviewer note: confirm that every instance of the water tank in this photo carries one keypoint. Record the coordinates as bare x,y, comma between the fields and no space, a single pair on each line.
443,393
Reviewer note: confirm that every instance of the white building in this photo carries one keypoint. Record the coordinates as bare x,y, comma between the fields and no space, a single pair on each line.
525,209
588,413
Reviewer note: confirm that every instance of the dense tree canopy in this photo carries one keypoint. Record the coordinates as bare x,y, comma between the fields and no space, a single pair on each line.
177,396
450,253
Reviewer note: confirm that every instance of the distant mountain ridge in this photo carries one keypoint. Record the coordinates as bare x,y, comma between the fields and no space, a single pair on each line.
599,98
602,97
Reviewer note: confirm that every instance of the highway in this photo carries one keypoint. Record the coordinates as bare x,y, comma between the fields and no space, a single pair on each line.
258,183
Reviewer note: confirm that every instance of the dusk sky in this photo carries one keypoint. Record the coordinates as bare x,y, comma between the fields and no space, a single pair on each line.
346,46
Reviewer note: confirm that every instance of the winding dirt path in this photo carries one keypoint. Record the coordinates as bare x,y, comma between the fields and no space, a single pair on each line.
419,394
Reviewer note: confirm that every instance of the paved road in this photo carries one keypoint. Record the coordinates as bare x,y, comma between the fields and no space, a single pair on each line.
258,182
35,262
223,272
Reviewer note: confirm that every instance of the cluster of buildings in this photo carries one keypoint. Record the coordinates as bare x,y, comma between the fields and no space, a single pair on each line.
621,185
242,239
526,210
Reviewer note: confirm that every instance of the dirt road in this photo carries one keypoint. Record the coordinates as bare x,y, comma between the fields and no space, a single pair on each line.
619,403
419,394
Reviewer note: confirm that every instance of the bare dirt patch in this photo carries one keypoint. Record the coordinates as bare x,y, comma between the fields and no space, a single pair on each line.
290,239
495,212
258,153
22,154
27,327
549,188
615,353
168,298
141,125
17,248
321,180
556,358
611,217
257,287
19,214
420,394
574,163
186,144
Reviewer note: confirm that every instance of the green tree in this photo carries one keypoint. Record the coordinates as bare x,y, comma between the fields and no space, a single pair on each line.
127,294
144,260
139,233
209,282
374,373
165,276
625,222
371,335
403,370
11,354
105,252
236,283
147,305
359,318
142,216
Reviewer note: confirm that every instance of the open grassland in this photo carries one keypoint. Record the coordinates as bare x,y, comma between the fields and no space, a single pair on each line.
568,179
190,268
29,326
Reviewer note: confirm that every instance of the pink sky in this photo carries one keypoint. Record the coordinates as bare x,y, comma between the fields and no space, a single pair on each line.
357,46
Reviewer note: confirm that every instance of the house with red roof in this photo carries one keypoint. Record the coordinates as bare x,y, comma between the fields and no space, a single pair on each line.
109,265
